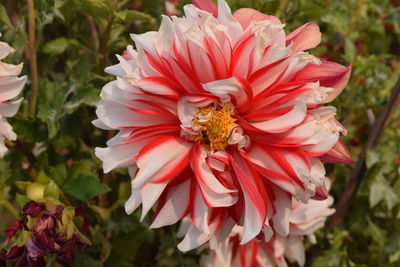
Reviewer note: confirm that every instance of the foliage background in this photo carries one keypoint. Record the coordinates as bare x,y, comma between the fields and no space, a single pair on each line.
54,154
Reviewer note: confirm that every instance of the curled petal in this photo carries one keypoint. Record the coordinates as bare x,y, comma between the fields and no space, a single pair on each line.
329,74
206,5
161,159
246,16
236,87
175,207
305,37
338,154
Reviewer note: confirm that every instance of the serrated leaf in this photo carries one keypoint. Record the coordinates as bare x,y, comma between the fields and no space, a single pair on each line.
51,104
381,190
85,187
373,157
83,96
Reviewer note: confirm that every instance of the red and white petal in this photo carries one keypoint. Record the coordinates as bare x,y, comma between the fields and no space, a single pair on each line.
293,117
115,115
9,109
338,154
119,156
254,210
159,86
188,106
214,192
225,18
178,199
329,74
150,193
236,87
219,161
161,159
199,211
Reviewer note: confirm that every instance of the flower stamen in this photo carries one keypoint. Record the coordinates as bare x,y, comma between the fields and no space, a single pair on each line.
214,124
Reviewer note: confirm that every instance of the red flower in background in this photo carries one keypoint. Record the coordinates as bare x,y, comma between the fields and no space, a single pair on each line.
46,228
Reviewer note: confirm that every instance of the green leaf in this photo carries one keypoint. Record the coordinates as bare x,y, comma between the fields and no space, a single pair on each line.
51,191
129,16
5,172
98,9
51,102
83,96
381,190
58,46
85,187
4,17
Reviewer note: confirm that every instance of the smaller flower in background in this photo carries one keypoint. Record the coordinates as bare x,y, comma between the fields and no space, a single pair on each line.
10,86
305,219
46,228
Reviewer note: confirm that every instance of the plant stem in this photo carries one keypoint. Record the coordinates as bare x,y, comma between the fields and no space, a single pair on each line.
281,8
33,60
10,208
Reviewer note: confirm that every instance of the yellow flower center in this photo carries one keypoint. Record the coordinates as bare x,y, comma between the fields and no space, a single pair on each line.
214,131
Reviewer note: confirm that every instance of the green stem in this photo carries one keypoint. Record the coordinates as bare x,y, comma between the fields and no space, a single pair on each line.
10,208
281,8
33,59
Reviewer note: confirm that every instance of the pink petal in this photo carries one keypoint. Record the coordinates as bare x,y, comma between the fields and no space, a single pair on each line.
305,37
206,5
329,74
247,15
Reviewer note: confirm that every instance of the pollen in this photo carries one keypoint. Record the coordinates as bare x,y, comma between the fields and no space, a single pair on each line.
215,129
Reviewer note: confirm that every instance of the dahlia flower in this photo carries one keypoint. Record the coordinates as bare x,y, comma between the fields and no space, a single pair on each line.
304,220
10,86
46,228
221,117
